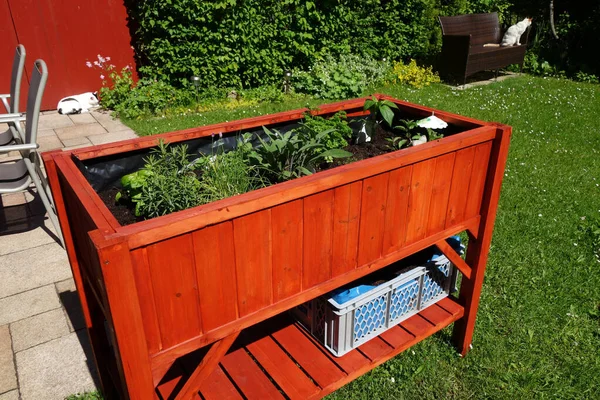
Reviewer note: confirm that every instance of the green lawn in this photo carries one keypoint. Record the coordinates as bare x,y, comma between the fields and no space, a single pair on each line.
538,330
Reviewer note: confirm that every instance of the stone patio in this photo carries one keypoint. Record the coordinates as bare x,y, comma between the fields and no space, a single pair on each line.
44,349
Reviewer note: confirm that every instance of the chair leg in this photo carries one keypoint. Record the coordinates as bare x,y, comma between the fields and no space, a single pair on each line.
39,180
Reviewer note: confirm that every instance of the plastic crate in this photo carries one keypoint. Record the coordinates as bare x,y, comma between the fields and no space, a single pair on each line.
341,327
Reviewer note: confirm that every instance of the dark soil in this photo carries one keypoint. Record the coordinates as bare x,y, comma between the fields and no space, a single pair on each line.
123,212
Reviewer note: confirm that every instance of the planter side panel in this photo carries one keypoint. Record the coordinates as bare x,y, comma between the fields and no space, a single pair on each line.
216,275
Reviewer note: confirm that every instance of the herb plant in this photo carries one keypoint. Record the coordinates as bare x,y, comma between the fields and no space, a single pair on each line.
337,128
381,110
287,156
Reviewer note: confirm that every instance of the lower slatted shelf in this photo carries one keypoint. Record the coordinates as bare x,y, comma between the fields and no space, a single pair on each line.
278,359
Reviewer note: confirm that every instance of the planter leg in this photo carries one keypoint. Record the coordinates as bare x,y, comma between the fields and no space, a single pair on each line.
478,250
206,367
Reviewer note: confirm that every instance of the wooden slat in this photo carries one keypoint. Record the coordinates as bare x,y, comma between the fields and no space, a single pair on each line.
450,305
478,174
172,382
206,367
454,258
346,216
372,218
435,314
320,368
286,226
248,377
317,240
396,336
143,282
440,193
175,289
459,191
218,387
214,255
418,326
375,348
282,369
419,199
396,210
252,235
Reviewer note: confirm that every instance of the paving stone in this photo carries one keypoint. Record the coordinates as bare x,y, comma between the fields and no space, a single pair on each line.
67,292
83,118
75,147
35,206
56,369
48,143
32,268
8,376
38,329
54,120
12,395
107,121
77,141
13,199
26,233
50,112
45,132
13,214
27,304
77,131
3,127
113,137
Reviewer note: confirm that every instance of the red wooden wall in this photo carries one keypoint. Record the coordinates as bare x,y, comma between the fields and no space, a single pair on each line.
66,34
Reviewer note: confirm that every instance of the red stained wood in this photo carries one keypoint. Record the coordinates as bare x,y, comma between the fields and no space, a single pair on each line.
396,212
478,174
252,236
248,376
459,189
375,348
417,325
282,369
143,282
286,226
435,314
450,305
318,235
218,387
440,193
320,368
454,258
175,290
214,255
372,218
396,336
419,199
346,218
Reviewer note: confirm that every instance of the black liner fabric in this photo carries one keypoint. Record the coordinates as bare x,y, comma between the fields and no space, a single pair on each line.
105,172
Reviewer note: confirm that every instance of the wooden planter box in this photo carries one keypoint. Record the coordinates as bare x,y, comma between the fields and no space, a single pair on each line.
155,291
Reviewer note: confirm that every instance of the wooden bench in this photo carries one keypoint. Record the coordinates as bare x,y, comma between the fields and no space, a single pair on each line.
463,51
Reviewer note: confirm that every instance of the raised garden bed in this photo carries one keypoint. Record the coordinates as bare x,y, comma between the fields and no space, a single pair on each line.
170,286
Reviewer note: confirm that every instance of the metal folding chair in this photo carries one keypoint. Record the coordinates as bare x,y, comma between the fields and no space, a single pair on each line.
11,100
17,175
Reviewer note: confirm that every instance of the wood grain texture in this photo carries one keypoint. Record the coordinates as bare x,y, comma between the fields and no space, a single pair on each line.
287,230
372,218
440,193
143,283
252,236
214,255
419,199
396,212
459,190
175,289
318,235
219,387
248,376
479,173
346,219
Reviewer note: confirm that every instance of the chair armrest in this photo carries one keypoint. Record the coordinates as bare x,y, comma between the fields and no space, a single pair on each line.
5,102
17,117
18,147
457,41
4,96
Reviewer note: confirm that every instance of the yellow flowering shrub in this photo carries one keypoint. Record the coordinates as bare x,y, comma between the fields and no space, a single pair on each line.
412,74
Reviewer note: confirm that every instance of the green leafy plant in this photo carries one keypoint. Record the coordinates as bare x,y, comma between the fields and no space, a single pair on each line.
380,110
284,156
340,77
227,174
412,74
337,128
167,183
405,134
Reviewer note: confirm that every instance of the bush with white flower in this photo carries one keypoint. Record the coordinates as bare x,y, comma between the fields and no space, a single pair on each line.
116,86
